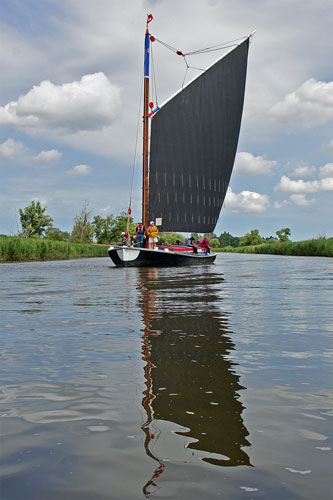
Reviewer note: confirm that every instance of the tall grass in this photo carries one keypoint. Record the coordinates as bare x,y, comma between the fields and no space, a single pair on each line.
320,247
16,249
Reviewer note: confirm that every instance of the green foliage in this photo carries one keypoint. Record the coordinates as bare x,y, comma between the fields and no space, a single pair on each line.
55,234
170,238
283,234
271,239
103,228
214,242
19,249
34,220
252,238
321,247
109,229
121,226
226,239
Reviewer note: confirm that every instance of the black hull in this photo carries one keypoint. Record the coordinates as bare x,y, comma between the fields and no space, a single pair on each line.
142,257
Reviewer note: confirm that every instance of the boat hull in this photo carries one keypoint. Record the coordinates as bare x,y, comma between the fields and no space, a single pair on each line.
143,257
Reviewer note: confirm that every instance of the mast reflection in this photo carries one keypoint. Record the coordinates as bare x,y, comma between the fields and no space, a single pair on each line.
190,380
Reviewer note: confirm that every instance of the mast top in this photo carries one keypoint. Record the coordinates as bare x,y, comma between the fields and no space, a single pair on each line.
149,19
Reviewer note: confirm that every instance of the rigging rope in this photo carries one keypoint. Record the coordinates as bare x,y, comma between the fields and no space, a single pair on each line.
221,46
153,76
136,146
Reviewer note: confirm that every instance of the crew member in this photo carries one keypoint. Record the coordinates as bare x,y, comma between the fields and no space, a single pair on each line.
123,239
152,233
140,234
205,245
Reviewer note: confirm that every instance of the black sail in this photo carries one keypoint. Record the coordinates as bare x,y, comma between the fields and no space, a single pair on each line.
193,145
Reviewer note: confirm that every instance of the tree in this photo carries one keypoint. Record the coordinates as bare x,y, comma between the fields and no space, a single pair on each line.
252,238
83,230
121,225
227,240
169,238
103,228
34,220
109,229
214,242
54,233
283,234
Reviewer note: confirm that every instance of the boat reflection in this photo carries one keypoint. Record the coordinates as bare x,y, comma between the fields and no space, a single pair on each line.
192,389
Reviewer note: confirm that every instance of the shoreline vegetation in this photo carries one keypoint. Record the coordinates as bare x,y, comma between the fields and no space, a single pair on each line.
19,249
320,247
39,240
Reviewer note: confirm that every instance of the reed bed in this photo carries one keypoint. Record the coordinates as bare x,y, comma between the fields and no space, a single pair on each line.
320,247
16,249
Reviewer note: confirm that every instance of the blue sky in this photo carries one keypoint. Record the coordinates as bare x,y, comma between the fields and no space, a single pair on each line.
69,97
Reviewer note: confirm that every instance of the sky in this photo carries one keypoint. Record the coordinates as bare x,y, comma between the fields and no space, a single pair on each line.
70,90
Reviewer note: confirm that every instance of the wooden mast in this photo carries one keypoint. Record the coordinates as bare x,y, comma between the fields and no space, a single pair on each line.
145,179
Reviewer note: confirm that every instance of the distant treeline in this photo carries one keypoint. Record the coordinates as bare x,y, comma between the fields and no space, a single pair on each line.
38,239
320,247
18,249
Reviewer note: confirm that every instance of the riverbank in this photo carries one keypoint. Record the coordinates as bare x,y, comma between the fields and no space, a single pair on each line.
320,247
16,249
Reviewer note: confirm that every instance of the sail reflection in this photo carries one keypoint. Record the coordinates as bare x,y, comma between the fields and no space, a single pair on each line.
191,384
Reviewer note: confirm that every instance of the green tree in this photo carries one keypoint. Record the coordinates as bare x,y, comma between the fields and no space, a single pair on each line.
103,228
55,234
283,234
214,242
108,230
227,240
83,230
169,238
34,220
252,238
121,226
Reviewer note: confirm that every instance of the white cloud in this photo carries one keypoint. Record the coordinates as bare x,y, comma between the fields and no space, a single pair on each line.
301,200
305,171
301,169
80,170
280,204
12,150
47,157
88,104
247,164
287,185
309,105
246,202
326,171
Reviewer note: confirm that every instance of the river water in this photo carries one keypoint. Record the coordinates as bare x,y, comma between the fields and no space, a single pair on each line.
189,383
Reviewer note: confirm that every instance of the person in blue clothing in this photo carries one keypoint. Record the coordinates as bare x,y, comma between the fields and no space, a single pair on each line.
140,234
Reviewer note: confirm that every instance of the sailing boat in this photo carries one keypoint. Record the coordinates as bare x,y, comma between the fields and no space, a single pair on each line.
188,163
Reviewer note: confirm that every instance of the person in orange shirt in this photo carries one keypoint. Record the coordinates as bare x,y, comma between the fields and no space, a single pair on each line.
152,233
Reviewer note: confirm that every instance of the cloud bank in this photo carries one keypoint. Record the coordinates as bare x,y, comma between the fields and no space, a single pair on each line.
246,202
12,150
309,105
248,164
287,185
91,103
